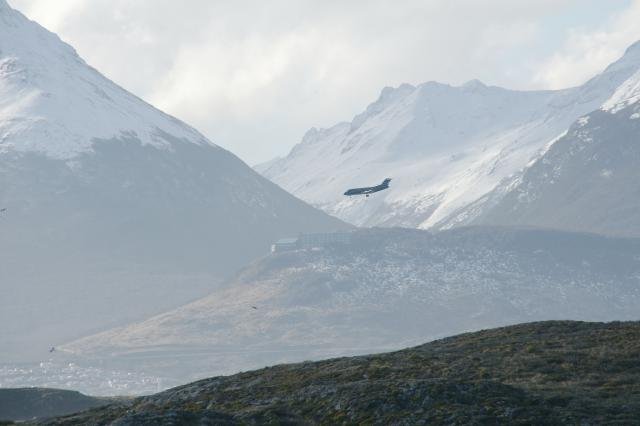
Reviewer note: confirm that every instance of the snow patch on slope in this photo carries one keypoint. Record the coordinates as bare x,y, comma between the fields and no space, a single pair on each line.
628,94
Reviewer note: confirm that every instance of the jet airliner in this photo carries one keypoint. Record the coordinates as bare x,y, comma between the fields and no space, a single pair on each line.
369,190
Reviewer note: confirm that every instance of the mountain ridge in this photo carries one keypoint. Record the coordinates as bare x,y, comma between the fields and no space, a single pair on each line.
445,146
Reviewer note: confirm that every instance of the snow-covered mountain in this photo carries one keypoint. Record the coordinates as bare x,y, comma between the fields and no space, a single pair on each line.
53,103
444,147
114,210
588,180
386,289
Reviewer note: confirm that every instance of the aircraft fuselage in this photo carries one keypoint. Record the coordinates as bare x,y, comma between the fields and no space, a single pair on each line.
369,189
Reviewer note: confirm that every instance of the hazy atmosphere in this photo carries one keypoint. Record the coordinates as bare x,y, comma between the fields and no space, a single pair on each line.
254,76
304,212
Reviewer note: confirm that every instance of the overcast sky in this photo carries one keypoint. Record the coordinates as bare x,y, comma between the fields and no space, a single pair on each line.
255,75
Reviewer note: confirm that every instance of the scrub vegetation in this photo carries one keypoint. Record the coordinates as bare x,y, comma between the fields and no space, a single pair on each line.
537,373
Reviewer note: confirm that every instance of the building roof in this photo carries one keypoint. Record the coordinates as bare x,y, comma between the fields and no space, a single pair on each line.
287,241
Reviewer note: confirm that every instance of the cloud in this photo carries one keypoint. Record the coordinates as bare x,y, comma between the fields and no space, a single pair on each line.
254,76
585,53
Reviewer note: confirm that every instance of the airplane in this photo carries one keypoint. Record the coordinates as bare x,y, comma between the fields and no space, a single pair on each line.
369,190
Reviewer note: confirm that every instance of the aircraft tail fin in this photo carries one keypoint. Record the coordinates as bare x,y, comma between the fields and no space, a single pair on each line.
386,182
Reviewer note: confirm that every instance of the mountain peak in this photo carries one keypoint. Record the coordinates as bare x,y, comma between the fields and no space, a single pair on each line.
54,104
6,13
474,84
390,93
9,15
634,49
628,63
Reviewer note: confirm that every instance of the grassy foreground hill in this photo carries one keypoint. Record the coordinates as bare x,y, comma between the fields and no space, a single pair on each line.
555,372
